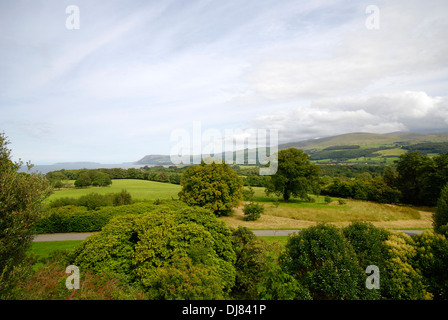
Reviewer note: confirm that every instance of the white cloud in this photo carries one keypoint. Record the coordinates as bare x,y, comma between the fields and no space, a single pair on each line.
382,113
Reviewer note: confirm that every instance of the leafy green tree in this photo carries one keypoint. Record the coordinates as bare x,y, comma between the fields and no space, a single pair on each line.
432,260
212,186
101,179
184,254
394,254
21,196
296,175
83,180
322,260
122,198
440,217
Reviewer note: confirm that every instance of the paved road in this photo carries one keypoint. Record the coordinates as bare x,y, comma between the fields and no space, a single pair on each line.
259,233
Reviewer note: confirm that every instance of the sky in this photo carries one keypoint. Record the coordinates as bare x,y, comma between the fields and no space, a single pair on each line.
115,86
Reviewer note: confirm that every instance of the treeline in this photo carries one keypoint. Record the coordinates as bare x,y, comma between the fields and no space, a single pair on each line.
415,179
170,174
428,147
345,154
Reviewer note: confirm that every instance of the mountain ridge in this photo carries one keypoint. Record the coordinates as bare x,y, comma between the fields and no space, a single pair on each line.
363,139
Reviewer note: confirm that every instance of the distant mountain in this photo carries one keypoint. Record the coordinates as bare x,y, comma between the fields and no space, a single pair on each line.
356,139
367,139
155,159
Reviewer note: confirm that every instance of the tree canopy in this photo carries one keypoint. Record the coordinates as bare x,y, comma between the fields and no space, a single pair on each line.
296,175
212,186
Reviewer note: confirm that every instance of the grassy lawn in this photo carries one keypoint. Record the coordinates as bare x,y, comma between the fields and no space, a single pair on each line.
281,239
298,214
44,248
139,189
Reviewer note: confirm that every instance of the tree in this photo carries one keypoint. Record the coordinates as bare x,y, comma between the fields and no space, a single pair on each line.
321,259
296,175
101,179
21,195
182,254
212,186
440,217
83,180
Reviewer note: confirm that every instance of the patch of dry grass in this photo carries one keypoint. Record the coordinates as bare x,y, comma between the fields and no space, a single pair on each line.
299,215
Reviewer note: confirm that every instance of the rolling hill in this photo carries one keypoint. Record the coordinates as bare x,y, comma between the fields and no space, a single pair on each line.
350,147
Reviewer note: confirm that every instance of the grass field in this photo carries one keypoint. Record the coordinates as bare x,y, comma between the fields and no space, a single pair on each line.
139,189
293,215
298,214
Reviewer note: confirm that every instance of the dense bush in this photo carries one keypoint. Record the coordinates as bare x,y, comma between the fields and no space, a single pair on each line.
393,253
21,196
188,251
432,260
93,201
258,274
440,217
79,219
372,190
212,186
253,211
322,260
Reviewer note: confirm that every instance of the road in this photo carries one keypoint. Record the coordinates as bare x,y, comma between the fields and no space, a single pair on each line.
259,233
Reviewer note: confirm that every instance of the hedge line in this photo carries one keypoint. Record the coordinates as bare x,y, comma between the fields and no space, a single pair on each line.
80,219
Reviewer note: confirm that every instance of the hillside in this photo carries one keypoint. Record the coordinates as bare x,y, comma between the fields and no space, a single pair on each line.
353,147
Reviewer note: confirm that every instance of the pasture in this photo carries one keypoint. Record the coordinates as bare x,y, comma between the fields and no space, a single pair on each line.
295,214
139,189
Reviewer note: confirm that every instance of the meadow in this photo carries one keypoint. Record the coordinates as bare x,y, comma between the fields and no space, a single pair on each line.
295,214
139,189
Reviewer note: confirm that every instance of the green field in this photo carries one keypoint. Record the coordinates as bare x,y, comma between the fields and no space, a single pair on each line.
139,189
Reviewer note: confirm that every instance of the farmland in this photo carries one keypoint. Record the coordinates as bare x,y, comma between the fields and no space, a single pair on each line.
295,214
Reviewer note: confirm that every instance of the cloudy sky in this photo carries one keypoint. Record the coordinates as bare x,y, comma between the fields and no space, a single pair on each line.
114,89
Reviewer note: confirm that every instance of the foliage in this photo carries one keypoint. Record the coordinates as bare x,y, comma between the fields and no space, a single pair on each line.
362,189
258,274
93,178
122,198
212,186
253,211
164,246
322,260
48,283
21,195
248,194
432,260
79,219
440,217
296,175
421,178
394,254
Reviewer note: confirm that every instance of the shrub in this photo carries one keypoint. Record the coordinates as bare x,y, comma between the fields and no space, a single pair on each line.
432,260
393,253
324,262
327,199
253,211
122,198
79,219
163,245
92,201
212,186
